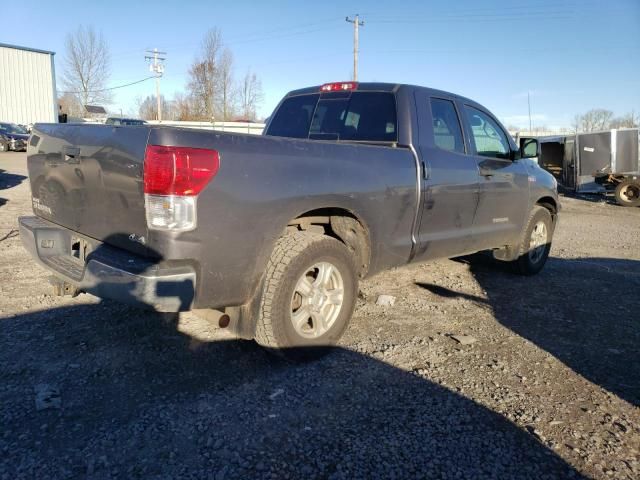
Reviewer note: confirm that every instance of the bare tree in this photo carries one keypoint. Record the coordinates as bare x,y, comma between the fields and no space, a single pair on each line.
250,93
87,66
70,105
184,108
212,93
148,108
204,76
225,80
628,120
593,120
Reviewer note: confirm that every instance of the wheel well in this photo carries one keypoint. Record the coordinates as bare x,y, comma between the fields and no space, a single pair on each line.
341,224
550,204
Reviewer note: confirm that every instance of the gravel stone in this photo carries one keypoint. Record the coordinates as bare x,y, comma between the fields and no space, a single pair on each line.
464,339
386,300
47,396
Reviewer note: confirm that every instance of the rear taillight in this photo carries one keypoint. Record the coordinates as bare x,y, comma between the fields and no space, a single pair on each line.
173,177
178,170
339,86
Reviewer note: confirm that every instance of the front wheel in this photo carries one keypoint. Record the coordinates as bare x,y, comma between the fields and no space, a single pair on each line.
308,295
536,242
628,193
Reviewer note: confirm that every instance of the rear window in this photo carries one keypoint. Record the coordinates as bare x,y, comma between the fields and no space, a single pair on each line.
356,116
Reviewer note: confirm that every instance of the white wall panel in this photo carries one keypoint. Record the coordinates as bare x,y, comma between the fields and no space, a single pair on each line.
27,86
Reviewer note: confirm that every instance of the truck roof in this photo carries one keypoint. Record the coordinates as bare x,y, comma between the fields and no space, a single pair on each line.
381,87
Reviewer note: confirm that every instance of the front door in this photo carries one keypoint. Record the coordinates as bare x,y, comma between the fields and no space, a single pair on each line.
503,182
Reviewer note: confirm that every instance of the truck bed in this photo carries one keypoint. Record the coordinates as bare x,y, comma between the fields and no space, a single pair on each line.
88,179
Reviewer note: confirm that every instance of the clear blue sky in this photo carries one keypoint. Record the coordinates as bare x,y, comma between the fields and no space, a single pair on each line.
571,55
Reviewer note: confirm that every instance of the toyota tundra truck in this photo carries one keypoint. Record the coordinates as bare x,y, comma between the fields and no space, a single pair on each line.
270,234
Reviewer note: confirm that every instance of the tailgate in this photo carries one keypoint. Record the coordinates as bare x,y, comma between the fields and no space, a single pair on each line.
88,178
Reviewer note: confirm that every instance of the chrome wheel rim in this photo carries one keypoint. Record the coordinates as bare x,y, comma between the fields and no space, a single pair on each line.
538,242
317,300
630,192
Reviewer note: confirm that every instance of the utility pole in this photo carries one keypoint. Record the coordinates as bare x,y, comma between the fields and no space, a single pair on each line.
529,103
156,66
356,23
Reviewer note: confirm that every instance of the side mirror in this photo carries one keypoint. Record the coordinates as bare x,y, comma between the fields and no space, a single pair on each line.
529,148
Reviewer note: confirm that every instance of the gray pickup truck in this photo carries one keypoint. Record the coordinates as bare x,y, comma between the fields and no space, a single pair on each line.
270,234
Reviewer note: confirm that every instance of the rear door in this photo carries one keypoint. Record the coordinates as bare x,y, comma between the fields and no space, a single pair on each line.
450,180
503,182
594,155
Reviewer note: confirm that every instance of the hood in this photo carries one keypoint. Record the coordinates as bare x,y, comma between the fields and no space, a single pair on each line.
17,136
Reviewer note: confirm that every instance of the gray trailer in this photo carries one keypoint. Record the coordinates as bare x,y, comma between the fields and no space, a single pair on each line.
595,162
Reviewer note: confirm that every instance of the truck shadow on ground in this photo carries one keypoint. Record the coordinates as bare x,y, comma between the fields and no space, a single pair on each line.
583,311
141,398
10,180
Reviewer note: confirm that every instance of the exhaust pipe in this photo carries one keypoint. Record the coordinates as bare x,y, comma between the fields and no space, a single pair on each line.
216,317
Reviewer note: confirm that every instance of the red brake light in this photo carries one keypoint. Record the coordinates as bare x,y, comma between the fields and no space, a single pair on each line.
339,86
178,170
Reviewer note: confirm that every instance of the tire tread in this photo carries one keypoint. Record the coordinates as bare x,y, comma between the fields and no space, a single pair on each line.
287,247
519,264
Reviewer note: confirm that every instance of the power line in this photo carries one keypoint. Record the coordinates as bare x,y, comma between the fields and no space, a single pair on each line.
356,24
478,18
110,88
282,32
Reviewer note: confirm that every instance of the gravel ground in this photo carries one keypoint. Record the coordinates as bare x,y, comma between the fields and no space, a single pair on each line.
545,384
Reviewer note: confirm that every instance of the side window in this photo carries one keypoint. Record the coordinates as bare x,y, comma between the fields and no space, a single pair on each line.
293,117
489,138
447,133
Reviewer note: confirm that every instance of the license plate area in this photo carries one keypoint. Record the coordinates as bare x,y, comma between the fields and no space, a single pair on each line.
79,249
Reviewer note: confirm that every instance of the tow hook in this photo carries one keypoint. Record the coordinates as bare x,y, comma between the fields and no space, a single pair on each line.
63,289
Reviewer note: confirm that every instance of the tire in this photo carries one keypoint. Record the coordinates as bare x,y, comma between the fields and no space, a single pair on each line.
4,147
536,242
299,317
628,193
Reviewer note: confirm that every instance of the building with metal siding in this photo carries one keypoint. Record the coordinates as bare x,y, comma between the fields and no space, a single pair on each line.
27,85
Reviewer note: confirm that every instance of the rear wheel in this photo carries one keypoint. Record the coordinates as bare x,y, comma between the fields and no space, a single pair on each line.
628,193
4,147
536,242
308,296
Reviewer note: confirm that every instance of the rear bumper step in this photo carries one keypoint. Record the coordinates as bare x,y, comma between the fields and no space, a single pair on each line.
109,272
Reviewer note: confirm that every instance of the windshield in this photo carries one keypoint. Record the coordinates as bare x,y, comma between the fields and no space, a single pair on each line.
13,128
357,116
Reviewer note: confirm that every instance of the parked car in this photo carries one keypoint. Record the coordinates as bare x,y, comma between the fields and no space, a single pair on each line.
269,235
13,137
124,121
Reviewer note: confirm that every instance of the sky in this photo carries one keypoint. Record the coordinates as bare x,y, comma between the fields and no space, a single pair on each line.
570,55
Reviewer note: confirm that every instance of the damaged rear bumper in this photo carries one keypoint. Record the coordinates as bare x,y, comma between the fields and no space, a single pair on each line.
109,272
